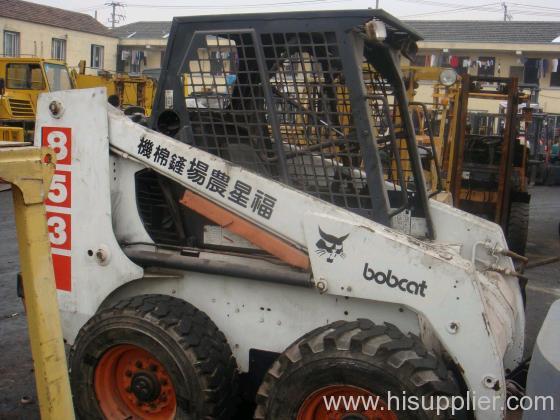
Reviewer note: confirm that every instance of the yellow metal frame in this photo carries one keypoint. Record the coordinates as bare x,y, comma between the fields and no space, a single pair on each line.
30,170
13,134
448,97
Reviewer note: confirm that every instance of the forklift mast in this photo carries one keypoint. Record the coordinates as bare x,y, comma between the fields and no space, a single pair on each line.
481,178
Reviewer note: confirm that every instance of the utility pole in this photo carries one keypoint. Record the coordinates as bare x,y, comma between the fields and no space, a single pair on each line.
115,18
507,16
377,4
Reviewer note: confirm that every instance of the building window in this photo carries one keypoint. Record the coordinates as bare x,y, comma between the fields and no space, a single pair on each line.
531,73
486,66
555,76
419,61
11,43
96,56
58,49
464,63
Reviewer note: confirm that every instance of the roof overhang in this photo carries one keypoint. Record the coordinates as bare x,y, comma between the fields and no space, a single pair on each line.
489,46
139,42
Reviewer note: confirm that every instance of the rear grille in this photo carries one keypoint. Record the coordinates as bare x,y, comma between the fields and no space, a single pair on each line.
21,108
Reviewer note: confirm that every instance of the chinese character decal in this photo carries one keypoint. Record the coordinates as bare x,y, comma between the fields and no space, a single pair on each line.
240,194
197,171
218,182
145,147
263,204
161,155
177,164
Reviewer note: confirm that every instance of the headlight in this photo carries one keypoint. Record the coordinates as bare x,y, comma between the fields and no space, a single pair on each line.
376,30
448,77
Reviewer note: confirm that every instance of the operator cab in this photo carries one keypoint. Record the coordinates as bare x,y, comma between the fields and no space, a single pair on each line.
22,79
313,100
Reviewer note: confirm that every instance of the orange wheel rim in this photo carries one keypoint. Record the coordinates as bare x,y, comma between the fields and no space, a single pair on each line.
315,405
130,382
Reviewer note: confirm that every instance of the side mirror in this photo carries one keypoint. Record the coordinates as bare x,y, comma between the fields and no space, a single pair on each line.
2,87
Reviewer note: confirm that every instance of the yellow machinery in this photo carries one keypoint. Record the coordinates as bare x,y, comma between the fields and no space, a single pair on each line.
480,160
124,91
489,176
437,118
30,170
22,79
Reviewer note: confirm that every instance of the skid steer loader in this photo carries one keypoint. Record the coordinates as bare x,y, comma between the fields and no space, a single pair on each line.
265,242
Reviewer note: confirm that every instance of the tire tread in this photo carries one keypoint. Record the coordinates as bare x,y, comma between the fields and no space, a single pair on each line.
363,332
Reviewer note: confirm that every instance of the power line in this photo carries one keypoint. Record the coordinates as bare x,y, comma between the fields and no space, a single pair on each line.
480,7
532,10
87,9
283,3
535,7
535,13
431,3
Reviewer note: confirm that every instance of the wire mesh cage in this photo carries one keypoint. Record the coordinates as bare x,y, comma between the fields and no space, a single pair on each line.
278,104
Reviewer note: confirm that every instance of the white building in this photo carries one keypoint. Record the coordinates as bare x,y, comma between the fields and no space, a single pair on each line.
30,29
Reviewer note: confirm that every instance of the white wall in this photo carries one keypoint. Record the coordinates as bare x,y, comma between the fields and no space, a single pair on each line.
36,40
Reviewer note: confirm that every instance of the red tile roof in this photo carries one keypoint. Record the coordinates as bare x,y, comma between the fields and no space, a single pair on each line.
52,16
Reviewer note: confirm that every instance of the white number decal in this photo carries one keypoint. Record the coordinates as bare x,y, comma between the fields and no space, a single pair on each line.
57,140
58,192
58,236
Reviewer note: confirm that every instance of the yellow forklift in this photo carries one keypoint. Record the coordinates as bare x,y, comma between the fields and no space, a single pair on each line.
489,175
435,122
476,158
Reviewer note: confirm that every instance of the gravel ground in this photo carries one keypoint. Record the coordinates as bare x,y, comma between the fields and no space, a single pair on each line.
16,367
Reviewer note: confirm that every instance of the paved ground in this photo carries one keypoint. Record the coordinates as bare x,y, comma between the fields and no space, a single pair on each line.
16,366
16,369
544,241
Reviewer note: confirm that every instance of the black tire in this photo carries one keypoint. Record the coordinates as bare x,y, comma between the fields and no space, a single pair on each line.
189,346
518,227
375,358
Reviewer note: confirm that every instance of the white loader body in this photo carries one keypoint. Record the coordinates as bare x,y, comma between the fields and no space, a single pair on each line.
449,291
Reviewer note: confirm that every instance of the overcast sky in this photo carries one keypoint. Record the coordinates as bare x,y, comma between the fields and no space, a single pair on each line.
136,10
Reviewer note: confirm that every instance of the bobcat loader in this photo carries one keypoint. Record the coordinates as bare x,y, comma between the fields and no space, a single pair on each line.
263,243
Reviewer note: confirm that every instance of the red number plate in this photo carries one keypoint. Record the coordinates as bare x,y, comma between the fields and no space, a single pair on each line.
59,204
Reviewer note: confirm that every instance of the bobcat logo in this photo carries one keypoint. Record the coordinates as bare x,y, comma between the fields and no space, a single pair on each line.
330,245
